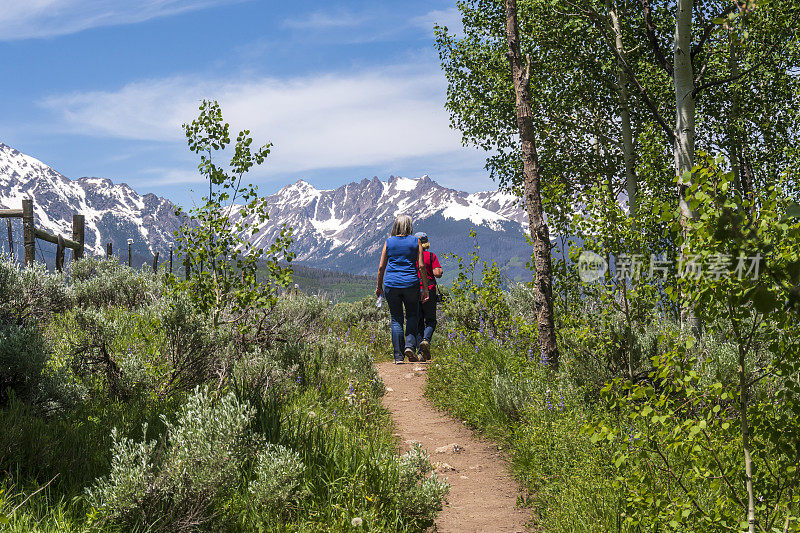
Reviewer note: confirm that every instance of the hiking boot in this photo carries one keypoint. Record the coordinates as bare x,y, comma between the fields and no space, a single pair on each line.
425,350
411,355
398,359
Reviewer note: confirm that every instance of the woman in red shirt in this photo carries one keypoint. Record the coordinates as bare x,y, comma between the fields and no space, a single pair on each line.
427,309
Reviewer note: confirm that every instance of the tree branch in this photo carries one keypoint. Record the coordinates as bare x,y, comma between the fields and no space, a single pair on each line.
729,79
722,471
708,31
593,15
40,489
661,59
738,76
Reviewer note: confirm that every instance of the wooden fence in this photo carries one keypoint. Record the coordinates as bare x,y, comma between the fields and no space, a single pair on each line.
30,233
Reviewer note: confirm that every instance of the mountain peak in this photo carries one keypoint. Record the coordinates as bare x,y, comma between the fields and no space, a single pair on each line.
342,228
405,184
339,228
113,212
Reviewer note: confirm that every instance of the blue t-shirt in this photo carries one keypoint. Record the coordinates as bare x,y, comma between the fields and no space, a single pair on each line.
401,268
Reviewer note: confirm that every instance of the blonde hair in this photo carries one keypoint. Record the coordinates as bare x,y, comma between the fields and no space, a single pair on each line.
426,245
402,226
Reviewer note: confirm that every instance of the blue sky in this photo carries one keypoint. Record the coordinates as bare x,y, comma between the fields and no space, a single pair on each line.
344,90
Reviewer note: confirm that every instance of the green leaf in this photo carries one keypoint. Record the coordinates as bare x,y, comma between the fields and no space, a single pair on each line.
764,300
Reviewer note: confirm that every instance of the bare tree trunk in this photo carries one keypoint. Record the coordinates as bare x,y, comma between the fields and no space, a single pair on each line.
683,75
624,110
543,293
744,394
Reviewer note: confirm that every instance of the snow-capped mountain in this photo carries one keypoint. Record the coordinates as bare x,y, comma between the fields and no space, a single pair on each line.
340,229
113,213
344,228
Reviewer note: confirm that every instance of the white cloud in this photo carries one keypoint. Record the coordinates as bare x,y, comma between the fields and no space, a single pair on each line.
450,17
324,20
325,121
24,19
170,176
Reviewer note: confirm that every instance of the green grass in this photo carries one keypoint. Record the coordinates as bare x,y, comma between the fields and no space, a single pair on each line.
498,390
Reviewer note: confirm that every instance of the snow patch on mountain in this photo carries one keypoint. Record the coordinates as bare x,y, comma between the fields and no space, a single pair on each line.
331,225
342,228
113,213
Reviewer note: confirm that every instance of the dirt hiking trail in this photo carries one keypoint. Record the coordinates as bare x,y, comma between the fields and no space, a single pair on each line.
483,494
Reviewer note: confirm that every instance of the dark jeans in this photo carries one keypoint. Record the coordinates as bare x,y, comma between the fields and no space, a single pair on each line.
427,319
407,297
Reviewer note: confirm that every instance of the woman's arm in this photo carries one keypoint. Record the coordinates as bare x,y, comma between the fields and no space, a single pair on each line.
381,271
437,268
423,272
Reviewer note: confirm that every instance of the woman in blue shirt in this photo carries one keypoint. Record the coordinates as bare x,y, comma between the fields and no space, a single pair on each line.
399,272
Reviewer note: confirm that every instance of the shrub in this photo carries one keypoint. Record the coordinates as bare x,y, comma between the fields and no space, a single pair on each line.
257,374
296,317
191,345
419,494
176,485
278,472
510,396
206,444
358,313
23,355
131,481
106,282
601,347
31,293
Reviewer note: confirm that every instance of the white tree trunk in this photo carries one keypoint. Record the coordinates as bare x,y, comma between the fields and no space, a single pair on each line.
624,110
684,99
683,79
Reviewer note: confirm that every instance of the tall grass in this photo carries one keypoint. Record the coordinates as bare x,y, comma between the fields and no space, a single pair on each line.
497,385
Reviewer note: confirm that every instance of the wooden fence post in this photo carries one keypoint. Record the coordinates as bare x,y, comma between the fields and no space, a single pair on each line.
170,258
10,239
28,232
130,243
155,262
77,235
109,251
60,254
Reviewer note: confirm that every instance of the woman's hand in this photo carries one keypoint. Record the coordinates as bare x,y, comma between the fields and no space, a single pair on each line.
378,291
425,295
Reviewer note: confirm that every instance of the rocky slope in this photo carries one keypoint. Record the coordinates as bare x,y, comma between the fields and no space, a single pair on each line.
114,213
340,229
